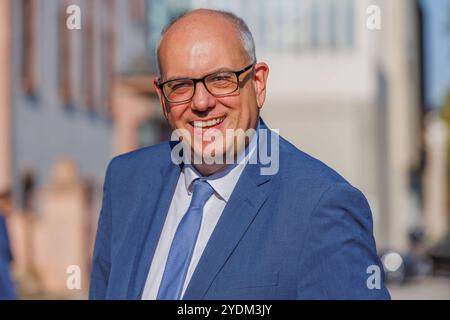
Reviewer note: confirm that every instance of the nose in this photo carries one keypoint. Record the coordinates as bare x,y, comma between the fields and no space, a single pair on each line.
202,99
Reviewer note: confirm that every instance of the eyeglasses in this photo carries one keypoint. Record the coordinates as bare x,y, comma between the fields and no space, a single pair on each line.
218,84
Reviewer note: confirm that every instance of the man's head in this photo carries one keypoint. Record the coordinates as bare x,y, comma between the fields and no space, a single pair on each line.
203,42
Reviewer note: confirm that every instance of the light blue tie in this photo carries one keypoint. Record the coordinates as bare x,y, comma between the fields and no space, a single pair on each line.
183,244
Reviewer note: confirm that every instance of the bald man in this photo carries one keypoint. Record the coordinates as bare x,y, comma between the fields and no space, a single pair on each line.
227,209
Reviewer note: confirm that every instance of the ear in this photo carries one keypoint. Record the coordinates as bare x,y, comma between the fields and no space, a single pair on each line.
260,80
160,94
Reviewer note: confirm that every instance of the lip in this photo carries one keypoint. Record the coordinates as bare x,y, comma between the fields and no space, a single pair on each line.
224,117
201,131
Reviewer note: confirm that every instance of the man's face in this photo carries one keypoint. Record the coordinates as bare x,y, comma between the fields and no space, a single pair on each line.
199,45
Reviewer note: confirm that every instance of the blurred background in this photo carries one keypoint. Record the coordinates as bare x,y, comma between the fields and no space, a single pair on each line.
371,98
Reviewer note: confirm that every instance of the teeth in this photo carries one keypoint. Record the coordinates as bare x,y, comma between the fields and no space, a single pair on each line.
209,123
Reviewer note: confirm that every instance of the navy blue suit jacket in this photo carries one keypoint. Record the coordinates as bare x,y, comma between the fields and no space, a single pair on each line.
303,233
7,290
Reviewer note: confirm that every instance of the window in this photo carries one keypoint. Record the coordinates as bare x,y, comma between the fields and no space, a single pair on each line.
109,61
28,71
65,57
349,26
88,56
137,10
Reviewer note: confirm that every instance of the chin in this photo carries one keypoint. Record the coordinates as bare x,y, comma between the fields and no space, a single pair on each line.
209,154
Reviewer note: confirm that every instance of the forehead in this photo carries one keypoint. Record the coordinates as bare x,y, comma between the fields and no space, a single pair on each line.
196,45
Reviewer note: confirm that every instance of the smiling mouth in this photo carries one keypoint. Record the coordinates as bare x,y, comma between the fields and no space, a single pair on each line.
208,123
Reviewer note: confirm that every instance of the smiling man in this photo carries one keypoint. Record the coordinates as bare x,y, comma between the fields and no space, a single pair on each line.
199,218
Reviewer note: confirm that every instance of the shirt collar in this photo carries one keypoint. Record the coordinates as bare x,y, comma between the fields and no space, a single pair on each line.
224,181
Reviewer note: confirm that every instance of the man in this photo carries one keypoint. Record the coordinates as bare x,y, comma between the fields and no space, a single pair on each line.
202,229
7,291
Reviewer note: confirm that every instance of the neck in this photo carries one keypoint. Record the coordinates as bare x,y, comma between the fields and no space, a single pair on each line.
206,169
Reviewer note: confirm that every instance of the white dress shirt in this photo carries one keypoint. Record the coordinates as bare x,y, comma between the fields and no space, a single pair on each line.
223,184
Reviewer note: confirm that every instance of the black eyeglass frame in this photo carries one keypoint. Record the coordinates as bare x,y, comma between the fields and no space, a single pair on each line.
202,80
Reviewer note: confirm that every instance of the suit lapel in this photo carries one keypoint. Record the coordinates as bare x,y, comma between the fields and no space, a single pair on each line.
249,195
152,216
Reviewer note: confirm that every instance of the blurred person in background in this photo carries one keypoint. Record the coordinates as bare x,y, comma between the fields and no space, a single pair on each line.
7,290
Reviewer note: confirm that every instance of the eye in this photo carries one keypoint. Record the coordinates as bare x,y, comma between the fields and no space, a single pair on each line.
179,85
221,77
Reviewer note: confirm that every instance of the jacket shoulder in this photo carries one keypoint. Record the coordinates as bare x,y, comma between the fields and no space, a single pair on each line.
298,165
148,157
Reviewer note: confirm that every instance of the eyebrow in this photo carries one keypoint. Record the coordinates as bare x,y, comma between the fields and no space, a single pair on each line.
207,74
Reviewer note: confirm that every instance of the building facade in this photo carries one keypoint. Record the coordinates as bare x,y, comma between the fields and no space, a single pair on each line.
71,100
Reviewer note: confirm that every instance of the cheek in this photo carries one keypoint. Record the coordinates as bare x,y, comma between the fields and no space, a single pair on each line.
176,114
247,108
241,110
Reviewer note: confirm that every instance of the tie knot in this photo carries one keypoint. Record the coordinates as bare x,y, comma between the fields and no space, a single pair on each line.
201,193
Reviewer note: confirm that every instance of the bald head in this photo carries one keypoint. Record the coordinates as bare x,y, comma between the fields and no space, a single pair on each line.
203,23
